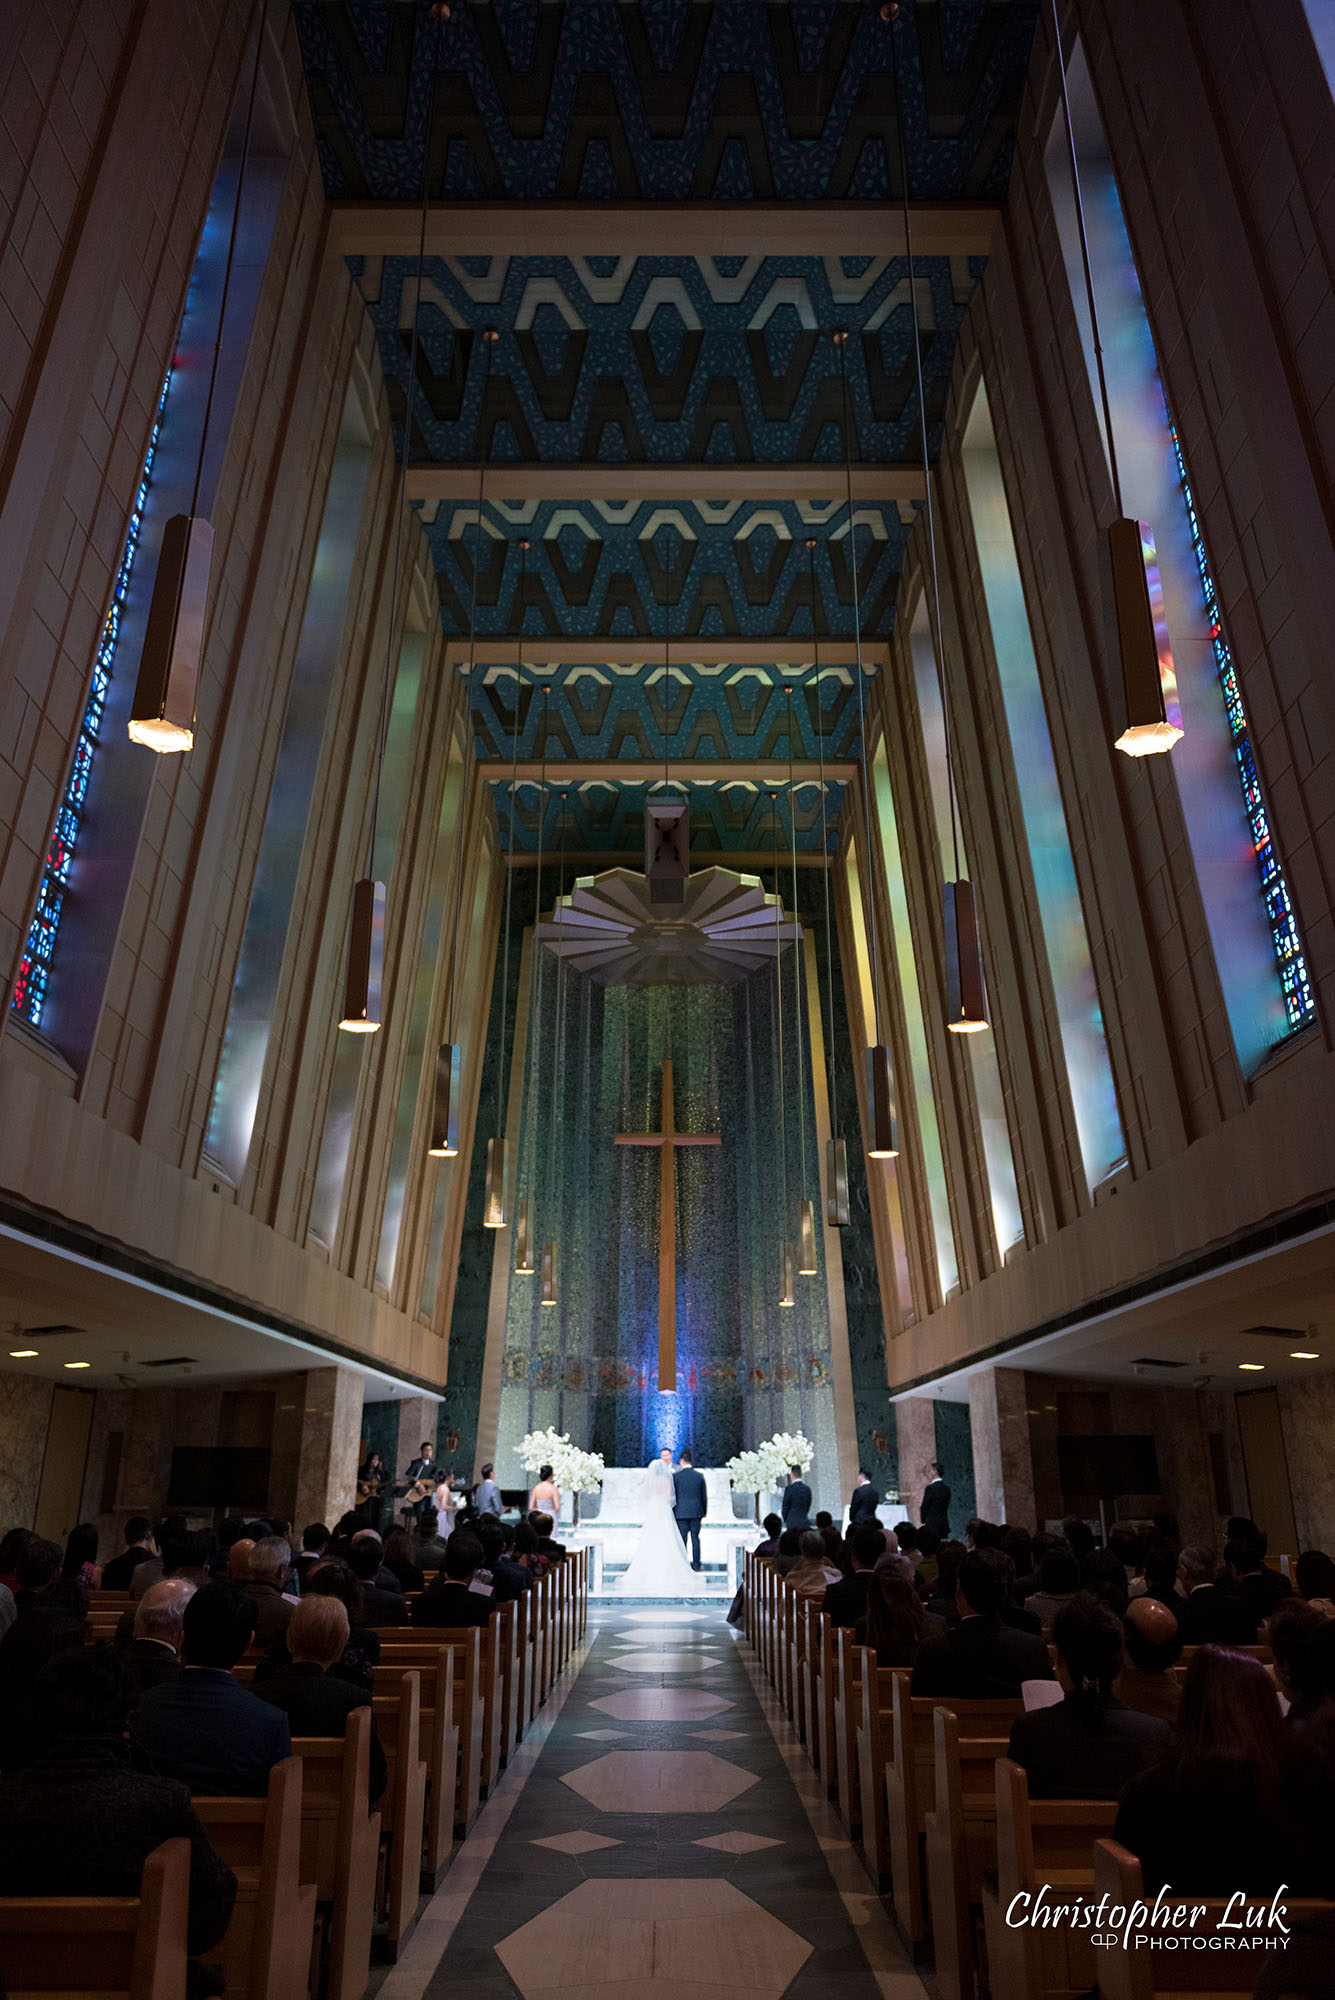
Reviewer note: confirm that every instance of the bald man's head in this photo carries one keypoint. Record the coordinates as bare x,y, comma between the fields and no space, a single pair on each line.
238,1561
161,1611
1153,1640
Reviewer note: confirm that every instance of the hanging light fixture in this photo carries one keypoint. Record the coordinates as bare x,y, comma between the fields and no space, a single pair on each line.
836,1150
494,1214
667,820
1149,683
524,1266
788,1288
966,998
880,1116
806,1214
162,714
549,1247
449,1056
366,944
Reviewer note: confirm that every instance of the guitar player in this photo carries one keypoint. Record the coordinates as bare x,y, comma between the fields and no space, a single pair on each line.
422,1475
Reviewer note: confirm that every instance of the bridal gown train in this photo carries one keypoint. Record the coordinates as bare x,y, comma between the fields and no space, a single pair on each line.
660,1566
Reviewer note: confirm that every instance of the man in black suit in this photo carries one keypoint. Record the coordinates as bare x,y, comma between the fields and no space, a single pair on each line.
423,1467
315,1704
690,1504
450,1601
846,1601
1208,1614
383,1607
1262,1590
1090,1744
205,1729
982,1658
864,1501
935,1510
81,1819
795,1505
153,1655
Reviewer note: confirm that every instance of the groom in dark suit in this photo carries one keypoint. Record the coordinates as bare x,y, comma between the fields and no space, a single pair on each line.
690,1504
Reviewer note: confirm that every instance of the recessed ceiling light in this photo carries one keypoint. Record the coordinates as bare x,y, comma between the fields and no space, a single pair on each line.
1253,1367
78,1364
23,1353
1303,1354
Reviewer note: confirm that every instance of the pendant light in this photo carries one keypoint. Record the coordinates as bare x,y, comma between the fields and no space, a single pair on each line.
966,1000
836,1149
366,945
494,1215
549,1249
449,1056
162,714
667,820
524,1266
1153,713
806,1214
788,1285
881,1144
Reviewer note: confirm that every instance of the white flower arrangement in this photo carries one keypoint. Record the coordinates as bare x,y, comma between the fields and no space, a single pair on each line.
574,1471
766,1468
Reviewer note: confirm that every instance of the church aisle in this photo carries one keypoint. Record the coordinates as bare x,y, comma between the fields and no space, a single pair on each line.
662,1832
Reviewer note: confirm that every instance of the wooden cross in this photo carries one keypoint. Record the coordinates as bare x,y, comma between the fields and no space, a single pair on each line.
667,1140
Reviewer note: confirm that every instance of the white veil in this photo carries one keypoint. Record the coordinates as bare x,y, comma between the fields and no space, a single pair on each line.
657,1480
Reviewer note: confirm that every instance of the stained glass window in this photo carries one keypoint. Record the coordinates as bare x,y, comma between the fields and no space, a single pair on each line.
29,997
1293,977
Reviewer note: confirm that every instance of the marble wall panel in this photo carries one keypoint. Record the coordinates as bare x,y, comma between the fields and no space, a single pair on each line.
331,1434
1003,1468
915,1435
1307,1415
25,1411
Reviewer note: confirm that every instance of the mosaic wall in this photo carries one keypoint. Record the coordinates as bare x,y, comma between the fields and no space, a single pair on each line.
746,1366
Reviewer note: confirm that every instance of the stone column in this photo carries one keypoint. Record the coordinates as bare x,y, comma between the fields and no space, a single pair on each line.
915,1430
331,1435
1003,1467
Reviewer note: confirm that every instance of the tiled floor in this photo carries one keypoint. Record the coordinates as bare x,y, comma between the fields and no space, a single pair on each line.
659,1832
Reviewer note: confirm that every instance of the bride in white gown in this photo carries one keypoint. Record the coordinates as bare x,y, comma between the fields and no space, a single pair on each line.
659,1567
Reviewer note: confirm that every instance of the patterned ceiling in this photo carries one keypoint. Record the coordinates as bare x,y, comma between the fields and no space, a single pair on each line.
635,360
663,100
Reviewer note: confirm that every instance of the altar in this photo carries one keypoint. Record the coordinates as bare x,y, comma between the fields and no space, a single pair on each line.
610,1523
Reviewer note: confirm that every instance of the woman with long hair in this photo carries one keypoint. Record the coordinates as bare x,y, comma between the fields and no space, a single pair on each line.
398,1558
546,1495
896,1621
1316,1580
362,1652
1208,1818
81,1565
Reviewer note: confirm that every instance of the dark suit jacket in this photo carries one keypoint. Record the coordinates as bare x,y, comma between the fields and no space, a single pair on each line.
795,1506
863,1504
214,1735
151,1663
1086,1749
383,1607
509,1580
316,1705
846,1601
117,1573
81,1821
935,1509
275,1613
980,1659
690,1494
1213,1616
453,1605
1262,1590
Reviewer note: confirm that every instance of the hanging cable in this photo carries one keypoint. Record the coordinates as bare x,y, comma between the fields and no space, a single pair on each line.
825,853
523,1240
797,970
495,1209
841,342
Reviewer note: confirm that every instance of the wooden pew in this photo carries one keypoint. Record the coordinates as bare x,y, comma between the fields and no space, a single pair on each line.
422,1649
875,1745
961,1845
398,1721
823,1702
129,1947
848,1658
1041,1841
418,1649
910,1785
439,1747
340,1841
1147,1974
266,1954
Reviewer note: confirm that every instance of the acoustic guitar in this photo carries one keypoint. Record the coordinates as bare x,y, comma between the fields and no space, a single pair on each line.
368,1489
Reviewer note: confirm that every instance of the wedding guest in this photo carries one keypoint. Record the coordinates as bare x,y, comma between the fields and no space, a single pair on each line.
981,1656
1208,1819
214,1735
1316,1580
315,1701
813,1572
361,1655
1088,1744
896,1622
1298,1636
398,1560
846,1601
139,1547
1058,1582
81,1565
450,1601
1152,1641
773,1529
153,1654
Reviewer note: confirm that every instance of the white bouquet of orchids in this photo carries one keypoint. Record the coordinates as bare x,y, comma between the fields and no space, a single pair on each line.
574,1471
766,1468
